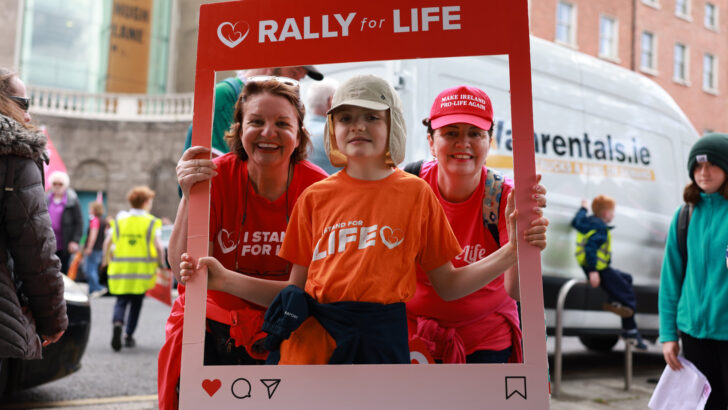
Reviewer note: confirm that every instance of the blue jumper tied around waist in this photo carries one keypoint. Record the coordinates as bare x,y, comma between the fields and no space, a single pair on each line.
365,333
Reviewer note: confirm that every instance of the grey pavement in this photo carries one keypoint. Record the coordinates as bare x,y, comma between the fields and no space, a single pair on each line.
596,380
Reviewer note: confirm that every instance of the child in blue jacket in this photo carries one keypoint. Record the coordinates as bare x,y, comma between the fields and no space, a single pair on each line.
594,254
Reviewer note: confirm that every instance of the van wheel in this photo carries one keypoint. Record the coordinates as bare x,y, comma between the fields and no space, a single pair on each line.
599,343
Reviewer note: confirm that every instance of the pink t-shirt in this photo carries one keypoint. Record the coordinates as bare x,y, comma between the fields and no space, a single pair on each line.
483,319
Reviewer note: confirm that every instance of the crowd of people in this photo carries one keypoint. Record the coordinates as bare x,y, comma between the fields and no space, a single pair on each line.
311,214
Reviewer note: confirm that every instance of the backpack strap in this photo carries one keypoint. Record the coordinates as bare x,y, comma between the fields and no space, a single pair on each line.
683,220
491,197
491,202
414,168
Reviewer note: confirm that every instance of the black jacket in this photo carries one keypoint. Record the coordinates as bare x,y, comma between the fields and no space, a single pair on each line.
29,270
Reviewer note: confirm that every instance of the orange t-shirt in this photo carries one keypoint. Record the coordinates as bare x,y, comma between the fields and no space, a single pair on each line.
361,241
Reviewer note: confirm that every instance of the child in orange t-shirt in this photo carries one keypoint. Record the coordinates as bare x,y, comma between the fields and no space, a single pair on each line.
354,240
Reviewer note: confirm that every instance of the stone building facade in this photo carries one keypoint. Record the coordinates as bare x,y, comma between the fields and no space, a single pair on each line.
115,156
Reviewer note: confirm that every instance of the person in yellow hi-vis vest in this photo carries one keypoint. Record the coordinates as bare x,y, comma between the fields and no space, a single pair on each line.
135,253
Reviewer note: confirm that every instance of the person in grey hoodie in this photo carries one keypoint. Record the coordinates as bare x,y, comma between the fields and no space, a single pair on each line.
32,308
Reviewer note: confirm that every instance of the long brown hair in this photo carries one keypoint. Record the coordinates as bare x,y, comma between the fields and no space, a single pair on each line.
274,87
8,107
691,193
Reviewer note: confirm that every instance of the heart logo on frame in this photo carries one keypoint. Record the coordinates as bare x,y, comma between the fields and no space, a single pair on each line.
231,37
211,386
391,238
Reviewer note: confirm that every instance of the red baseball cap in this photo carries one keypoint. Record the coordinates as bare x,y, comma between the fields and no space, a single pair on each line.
462,104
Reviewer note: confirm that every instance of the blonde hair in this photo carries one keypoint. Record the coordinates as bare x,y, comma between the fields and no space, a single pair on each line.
601,204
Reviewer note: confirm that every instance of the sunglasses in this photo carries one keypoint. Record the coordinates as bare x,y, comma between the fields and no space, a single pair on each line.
282,80
22,102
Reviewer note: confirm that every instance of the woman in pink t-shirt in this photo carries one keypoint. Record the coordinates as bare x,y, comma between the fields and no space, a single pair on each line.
482,327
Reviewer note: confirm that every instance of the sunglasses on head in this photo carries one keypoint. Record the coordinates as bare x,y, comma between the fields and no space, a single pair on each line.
282,80
22,102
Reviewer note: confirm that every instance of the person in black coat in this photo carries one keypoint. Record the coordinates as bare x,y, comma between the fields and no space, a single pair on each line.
32,307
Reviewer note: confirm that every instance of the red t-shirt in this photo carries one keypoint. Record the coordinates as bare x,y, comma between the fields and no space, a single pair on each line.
255,244
482,318
252,244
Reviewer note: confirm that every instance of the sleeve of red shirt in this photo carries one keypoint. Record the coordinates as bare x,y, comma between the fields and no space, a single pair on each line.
94,224
438,244
298,243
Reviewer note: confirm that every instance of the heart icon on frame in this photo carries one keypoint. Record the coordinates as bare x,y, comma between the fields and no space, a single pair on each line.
211,386
230,36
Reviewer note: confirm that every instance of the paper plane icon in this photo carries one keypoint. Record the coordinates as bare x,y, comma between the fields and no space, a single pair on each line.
271,385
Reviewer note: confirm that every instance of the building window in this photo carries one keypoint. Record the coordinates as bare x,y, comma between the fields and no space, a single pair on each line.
711,16
565,23
608,37
682,8
710,70
648,61
680,63
652,3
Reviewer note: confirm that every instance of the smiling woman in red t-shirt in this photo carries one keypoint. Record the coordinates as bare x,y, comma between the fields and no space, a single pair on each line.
482,327
253,191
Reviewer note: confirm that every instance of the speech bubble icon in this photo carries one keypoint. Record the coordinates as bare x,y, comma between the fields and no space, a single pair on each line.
241,388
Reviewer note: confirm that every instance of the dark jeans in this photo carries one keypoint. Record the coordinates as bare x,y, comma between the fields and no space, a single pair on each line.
618,286
220,349
135,306
91,269
489,356
710,357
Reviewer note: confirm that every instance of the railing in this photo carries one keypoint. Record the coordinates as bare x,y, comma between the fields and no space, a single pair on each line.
108,106
558,354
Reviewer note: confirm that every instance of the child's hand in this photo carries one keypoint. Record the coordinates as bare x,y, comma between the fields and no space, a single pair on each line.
585,203
594,279
186,268
215,271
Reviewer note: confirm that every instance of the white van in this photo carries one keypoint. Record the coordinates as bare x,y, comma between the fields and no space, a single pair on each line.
599,129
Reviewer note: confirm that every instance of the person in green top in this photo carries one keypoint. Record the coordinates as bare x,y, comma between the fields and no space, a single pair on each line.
693,297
